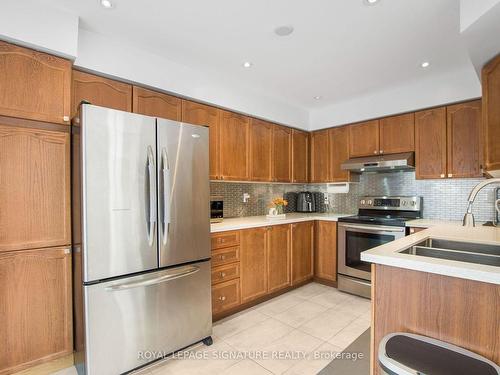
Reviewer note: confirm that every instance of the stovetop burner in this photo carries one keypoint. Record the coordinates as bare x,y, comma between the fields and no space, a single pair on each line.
389,211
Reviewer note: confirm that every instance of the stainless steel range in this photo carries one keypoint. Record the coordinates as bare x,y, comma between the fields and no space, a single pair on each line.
379,220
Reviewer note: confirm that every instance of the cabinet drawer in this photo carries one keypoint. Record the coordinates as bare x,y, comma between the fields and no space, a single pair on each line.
225,273
225,239
225,295
225,256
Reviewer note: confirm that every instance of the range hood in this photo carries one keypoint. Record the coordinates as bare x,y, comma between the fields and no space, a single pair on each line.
381,163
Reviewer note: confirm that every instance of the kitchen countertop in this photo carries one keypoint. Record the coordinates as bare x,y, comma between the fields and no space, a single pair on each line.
427,223
261,221
389,255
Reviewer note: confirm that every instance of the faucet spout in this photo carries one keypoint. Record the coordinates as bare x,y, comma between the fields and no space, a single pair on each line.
469,220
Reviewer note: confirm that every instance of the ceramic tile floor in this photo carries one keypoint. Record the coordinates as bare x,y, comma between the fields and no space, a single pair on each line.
311,321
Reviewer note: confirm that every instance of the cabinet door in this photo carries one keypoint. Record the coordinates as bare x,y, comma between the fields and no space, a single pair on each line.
397,134
34,188
157,104
200,114
34,85
302,251
325,250
300,156
35,311
339,146
430,143
261,135
320,151
282,154
364,139
278,257
464,140
253,263
491,114
100,91
234,147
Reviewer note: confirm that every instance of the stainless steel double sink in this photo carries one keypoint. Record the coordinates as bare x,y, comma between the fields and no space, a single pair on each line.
468,252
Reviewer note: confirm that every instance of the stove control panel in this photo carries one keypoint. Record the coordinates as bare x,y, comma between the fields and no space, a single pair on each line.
391,203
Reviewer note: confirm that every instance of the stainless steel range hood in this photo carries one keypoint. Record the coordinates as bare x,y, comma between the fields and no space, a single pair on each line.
381,163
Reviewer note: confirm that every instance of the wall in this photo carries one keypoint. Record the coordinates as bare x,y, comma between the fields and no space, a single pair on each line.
443,199
433,90
35,26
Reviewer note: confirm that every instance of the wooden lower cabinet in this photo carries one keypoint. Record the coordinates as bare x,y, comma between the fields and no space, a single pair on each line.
302,251
34,187
457,311
278,257
35,307
253,261
325,250
225,296
225,239
225,273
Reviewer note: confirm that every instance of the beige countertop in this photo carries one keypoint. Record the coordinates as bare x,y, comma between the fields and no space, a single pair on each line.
261,221
389,254
427,223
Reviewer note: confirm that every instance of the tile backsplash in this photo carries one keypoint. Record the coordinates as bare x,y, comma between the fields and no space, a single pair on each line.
443,199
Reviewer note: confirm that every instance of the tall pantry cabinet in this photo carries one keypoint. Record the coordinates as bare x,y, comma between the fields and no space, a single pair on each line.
35,234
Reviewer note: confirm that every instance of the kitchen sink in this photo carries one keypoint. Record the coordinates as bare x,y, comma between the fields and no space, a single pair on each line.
468,252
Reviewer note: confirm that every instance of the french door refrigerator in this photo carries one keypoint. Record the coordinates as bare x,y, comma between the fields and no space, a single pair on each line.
141,235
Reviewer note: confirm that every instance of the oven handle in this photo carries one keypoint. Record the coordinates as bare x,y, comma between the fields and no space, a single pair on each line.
373,229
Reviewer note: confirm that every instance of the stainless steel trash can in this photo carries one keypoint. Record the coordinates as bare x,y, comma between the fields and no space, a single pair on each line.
409,354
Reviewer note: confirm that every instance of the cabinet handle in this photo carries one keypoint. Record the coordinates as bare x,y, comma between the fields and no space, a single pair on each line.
381,151
442,175
66,118
222,298
222,257
222,275
375,152
450,175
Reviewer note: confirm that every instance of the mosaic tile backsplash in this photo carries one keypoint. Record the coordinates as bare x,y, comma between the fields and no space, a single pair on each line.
443,199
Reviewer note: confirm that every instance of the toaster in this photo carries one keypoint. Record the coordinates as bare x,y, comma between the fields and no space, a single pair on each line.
306,202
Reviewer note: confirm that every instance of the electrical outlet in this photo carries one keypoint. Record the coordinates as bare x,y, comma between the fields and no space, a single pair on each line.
246,197
326,201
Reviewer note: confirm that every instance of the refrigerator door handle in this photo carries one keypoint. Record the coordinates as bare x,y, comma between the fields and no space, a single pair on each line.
186,271
152,196
166,195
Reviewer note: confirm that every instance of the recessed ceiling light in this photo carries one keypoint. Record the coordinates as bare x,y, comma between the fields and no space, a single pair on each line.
106,4
318,97
425,64
371,2
247,64
283,30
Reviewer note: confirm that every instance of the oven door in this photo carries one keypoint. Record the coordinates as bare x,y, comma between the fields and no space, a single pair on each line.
356,238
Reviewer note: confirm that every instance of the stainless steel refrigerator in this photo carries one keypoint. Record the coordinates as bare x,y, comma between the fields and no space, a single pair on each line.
141,239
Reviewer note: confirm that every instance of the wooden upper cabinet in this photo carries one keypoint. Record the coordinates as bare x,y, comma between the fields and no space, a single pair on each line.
261,141
282,154
364,139
430,143
253,263
34,85
36,310
100,91
339,153
201,114
491,114
320,155
234,146
464,140
302,251
300,156
153,103
34,187
397,134
325,250
278,257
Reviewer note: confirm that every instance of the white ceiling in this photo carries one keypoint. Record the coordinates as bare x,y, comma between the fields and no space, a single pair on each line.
340,49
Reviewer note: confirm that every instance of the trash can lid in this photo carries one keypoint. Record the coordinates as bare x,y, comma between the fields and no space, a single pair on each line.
421,354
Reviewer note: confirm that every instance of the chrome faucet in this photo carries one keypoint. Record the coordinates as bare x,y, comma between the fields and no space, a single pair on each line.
469,220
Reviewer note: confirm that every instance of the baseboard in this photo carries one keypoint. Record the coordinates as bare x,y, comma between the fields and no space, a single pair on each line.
327,282
42,366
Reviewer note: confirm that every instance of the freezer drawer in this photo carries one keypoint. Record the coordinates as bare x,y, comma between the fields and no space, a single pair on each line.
157,312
